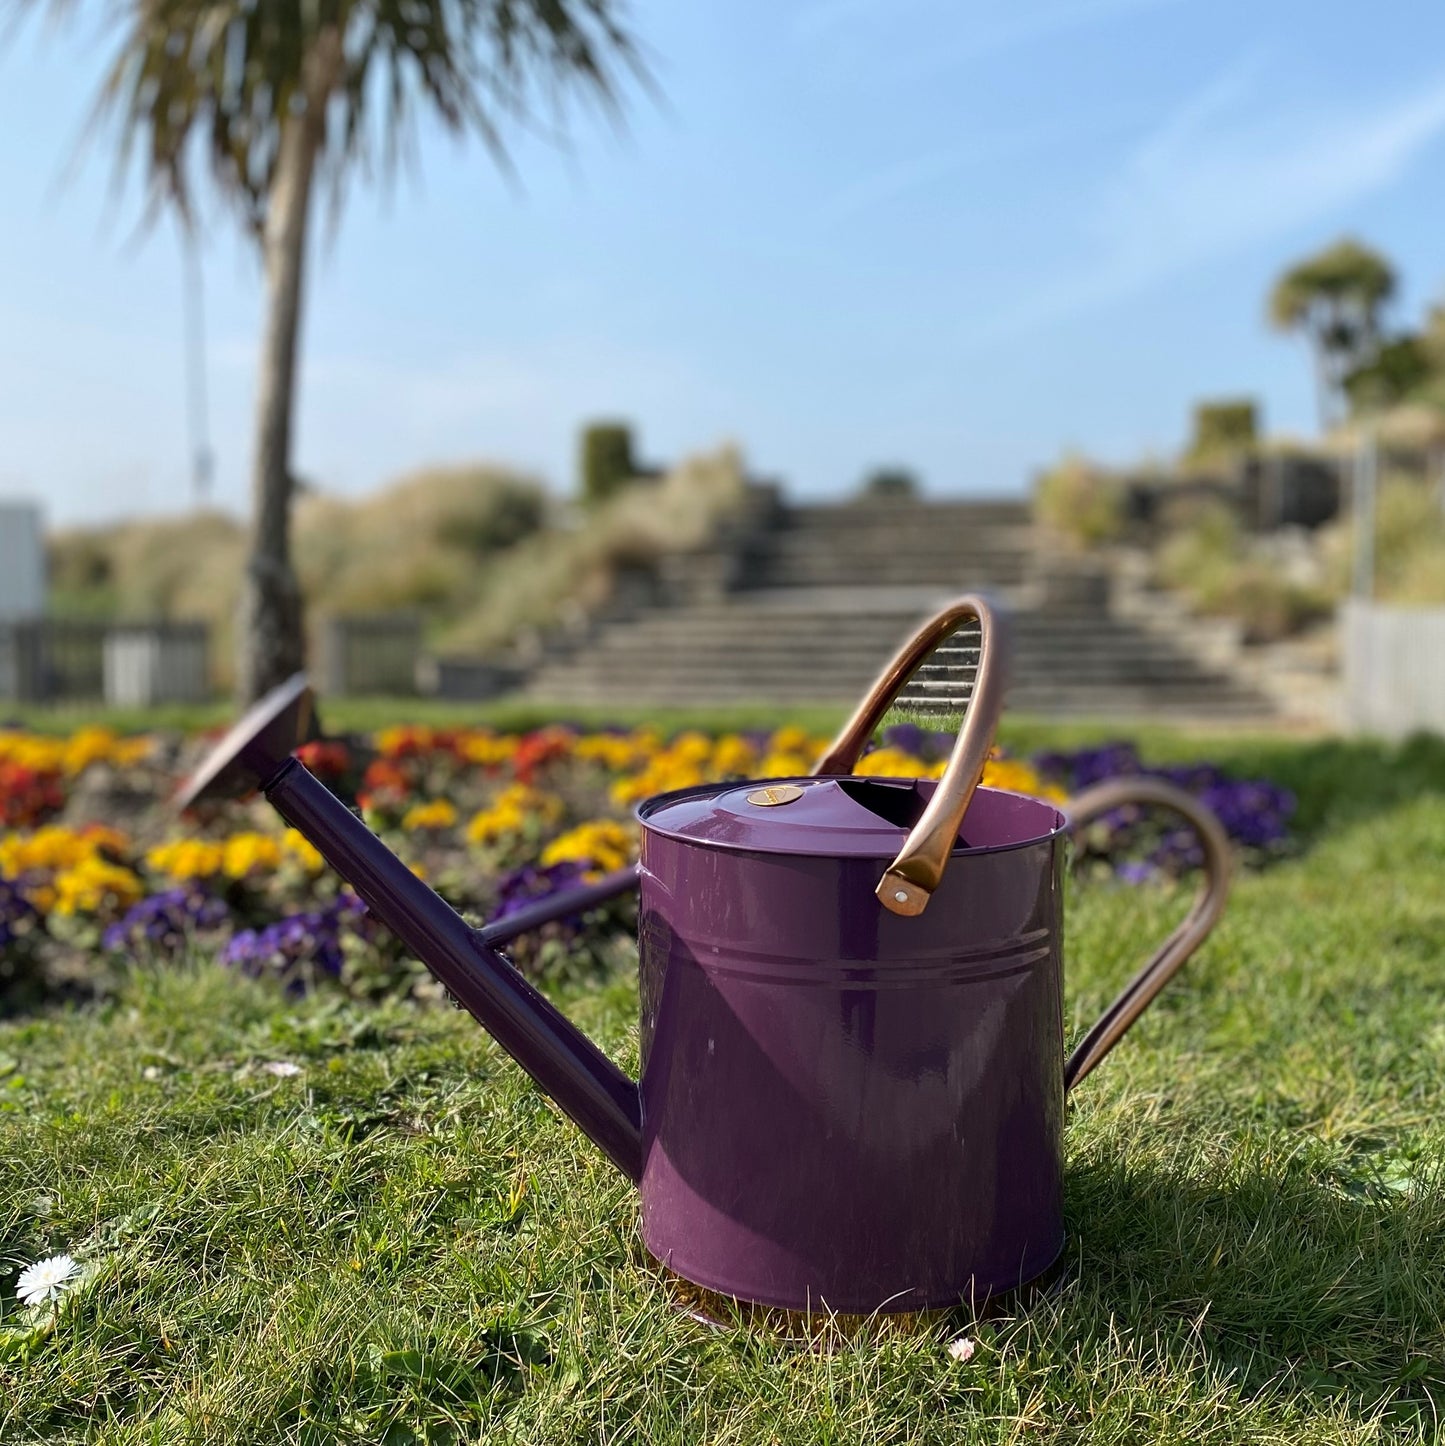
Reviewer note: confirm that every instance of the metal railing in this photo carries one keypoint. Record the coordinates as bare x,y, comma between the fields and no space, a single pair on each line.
371,655
62,660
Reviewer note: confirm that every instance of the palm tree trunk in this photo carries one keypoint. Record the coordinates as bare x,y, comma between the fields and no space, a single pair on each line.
270,637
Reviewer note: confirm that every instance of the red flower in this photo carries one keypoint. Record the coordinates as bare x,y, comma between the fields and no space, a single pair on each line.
28,795
326,759
385,781
538,749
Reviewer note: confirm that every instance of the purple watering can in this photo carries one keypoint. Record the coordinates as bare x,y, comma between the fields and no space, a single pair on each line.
852,1025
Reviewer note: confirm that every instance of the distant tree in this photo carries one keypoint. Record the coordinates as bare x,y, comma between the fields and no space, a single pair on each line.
893,483
1336,298
273,98
1396,372
607,464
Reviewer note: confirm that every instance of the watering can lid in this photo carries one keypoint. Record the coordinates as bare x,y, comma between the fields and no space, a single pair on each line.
837,816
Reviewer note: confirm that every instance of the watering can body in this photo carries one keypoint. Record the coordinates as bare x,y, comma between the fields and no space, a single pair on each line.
845,1108
852,1044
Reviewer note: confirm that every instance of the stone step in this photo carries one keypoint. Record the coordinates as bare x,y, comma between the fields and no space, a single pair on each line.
1120,669
927,541
898,516
618,652
830,593
1102,703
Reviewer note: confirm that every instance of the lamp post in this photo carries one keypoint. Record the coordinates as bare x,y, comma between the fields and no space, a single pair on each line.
1365,479
197,409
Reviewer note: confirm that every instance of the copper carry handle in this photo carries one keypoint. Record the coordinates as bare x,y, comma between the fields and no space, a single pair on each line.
910,880
1144,987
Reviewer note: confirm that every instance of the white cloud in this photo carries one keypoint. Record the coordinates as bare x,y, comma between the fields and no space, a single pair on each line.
1209,181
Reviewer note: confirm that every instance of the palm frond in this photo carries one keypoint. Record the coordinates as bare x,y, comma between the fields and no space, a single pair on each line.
206,86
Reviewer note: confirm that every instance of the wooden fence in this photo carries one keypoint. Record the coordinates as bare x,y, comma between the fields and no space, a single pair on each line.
1394,669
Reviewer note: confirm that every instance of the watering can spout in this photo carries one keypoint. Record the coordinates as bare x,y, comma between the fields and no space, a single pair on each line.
583,1081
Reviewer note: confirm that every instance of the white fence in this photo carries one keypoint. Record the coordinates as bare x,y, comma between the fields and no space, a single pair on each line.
1394,669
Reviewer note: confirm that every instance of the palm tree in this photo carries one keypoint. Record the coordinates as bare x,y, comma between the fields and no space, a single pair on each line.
275,97
1336,297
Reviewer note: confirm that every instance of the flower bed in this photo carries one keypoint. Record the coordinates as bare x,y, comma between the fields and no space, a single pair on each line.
94,866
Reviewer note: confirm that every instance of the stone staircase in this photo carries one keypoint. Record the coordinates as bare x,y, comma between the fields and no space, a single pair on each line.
820,598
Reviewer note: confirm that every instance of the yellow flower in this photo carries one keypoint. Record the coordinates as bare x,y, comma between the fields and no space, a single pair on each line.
614,751
186,858
510,813
784,765
101,745
41,896
401,737
791,739
250,853
603,842
1018,777
895,763
436,814
102,839
30,750
485,748
733,755
300,848
691,747
665,773
94,884
57,847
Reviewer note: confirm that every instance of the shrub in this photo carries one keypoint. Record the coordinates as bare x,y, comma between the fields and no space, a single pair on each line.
607,465
1409,545
560,573
890,484
1081,502
1211,561
1224,427
415,544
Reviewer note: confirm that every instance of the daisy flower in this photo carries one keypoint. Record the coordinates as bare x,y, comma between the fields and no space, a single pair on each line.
46,1279
961,1350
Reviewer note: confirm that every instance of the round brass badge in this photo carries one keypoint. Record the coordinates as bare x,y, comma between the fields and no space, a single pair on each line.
775,794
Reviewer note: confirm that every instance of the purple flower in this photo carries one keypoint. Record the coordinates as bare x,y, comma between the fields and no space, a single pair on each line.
1076,771
17,913
531,883
907,738
1255,812
1136,871
298,943
166,921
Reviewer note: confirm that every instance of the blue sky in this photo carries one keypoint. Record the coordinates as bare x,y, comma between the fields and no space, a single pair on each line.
957,236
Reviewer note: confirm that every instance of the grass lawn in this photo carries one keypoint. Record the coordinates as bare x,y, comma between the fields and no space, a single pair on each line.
404,1241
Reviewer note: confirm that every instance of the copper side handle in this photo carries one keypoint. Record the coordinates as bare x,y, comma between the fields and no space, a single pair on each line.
1203,914
910,880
